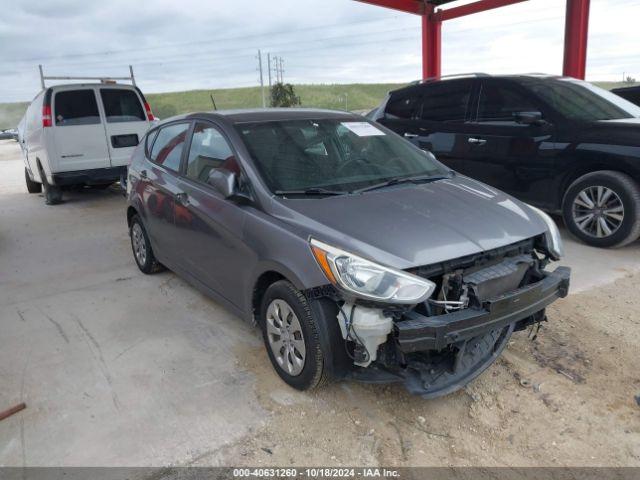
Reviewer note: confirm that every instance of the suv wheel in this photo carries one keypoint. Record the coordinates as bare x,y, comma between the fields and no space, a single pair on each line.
141,247
290,333
32,187
603,209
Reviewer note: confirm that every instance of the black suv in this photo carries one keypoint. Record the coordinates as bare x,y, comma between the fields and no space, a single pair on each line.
561,144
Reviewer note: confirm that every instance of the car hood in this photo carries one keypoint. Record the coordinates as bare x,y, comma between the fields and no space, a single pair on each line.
410,225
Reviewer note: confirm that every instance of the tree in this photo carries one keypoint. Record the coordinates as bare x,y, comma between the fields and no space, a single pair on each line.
283,95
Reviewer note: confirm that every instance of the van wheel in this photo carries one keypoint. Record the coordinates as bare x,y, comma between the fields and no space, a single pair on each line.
603,209
32,187
290,333
52,193
141,247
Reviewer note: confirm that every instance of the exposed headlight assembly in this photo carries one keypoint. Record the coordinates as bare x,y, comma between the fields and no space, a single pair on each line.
369,280
552,235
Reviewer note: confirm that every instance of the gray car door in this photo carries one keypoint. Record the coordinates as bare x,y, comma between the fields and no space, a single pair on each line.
211,241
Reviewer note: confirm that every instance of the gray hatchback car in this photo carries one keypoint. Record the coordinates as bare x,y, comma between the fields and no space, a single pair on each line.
359,255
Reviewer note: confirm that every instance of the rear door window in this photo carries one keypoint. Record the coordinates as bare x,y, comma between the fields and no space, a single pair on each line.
403,105
168,146
446,101
76,107
121,105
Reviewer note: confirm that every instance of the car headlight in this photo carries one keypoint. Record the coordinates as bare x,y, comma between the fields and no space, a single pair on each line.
552,235
369,280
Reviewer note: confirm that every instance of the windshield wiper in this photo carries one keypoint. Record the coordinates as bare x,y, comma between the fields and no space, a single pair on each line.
310,191
399,180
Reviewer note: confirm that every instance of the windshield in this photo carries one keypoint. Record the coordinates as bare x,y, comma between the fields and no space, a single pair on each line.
332,155
583,101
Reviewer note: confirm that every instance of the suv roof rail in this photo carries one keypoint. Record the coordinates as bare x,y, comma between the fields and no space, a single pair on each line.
130,78
454,75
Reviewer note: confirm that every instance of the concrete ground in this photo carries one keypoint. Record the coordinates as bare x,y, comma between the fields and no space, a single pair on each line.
119,368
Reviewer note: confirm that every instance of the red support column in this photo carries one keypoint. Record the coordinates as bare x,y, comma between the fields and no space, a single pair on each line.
431,43
575,38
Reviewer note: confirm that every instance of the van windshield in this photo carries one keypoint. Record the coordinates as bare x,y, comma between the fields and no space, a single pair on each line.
332,155
583,101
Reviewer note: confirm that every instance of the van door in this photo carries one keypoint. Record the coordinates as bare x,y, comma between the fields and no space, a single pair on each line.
78,134
125,122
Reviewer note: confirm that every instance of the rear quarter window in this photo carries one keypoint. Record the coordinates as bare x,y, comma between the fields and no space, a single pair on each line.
76,107
121,105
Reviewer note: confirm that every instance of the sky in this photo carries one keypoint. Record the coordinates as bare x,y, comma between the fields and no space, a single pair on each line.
192,44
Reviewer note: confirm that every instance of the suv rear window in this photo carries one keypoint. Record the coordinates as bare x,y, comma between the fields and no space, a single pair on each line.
446,101
121,105
403,105
76,107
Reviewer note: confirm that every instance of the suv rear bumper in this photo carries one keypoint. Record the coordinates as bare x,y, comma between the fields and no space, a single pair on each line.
93,176
419,333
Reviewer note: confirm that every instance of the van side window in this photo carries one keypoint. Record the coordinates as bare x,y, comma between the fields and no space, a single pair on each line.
76,107
121,105
209,150
168,146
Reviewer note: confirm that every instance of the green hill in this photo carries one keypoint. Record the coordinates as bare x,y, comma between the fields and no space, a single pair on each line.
356,96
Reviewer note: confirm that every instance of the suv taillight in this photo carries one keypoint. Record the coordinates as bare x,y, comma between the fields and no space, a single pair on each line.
46,116
147,109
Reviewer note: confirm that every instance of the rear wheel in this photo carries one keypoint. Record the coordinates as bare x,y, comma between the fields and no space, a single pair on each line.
32,187
141,247
52,193
603,209
290,333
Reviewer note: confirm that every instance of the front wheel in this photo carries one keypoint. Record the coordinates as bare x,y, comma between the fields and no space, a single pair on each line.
290,333
603,209
32,187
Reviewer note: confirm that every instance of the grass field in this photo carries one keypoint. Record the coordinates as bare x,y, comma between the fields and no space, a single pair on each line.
357,96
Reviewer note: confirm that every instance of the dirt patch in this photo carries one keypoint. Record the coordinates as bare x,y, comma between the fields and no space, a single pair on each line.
563,398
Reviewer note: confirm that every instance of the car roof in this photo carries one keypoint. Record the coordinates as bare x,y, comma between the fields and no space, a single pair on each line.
272,114
449,78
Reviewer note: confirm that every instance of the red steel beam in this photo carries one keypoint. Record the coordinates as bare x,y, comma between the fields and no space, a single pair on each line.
476,7
431,44
409,6
575,39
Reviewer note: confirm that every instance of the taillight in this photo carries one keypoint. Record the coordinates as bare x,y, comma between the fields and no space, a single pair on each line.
46,116
147,109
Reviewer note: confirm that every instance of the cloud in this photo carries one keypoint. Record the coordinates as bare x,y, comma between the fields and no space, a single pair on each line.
194,44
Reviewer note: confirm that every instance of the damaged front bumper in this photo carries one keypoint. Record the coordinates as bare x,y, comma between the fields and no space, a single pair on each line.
418,333
439,354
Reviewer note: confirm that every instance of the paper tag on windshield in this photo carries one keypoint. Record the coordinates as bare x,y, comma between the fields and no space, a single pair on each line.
363,129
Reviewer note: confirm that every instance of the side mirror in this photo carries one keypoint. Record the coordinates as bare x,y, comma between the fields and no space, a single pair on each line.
226,182
223,181
529,118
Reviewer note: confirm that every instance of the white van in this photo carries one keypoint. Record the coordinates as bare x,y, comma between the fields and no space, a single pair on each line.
82,134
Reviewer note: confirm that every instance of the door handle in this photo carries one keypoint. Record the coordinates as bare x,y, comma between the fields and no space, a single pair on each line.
477,141
143,174
410,135
182,198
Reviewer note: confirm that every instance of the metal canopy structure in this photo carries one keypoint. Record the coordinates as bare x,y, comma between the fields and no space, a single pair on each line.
575,33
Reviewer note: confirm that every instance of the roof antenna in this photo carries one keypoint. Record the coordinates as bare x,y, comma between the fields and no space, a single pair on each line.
213,101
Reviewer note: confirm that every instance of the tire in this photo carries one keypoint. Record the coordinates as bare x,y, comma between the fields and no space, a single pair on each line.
52,193
614,222
141,248
32,187
309,373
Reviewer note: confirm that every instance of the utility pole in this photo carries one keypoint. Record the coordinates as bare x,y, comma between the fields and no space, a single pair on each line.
281,70
264,101
269,68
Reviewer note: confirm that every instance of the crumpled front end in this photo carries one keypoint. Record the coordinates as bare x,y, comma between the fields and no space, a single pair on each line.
439,345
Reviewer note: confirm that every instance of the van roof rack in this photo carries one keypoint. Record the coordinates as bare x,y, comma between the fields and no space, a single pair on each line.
130,78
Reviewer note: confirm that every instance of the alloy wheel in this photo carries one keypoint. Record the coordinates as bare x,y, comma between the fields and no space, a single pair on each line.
286,340
598,211
139,244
